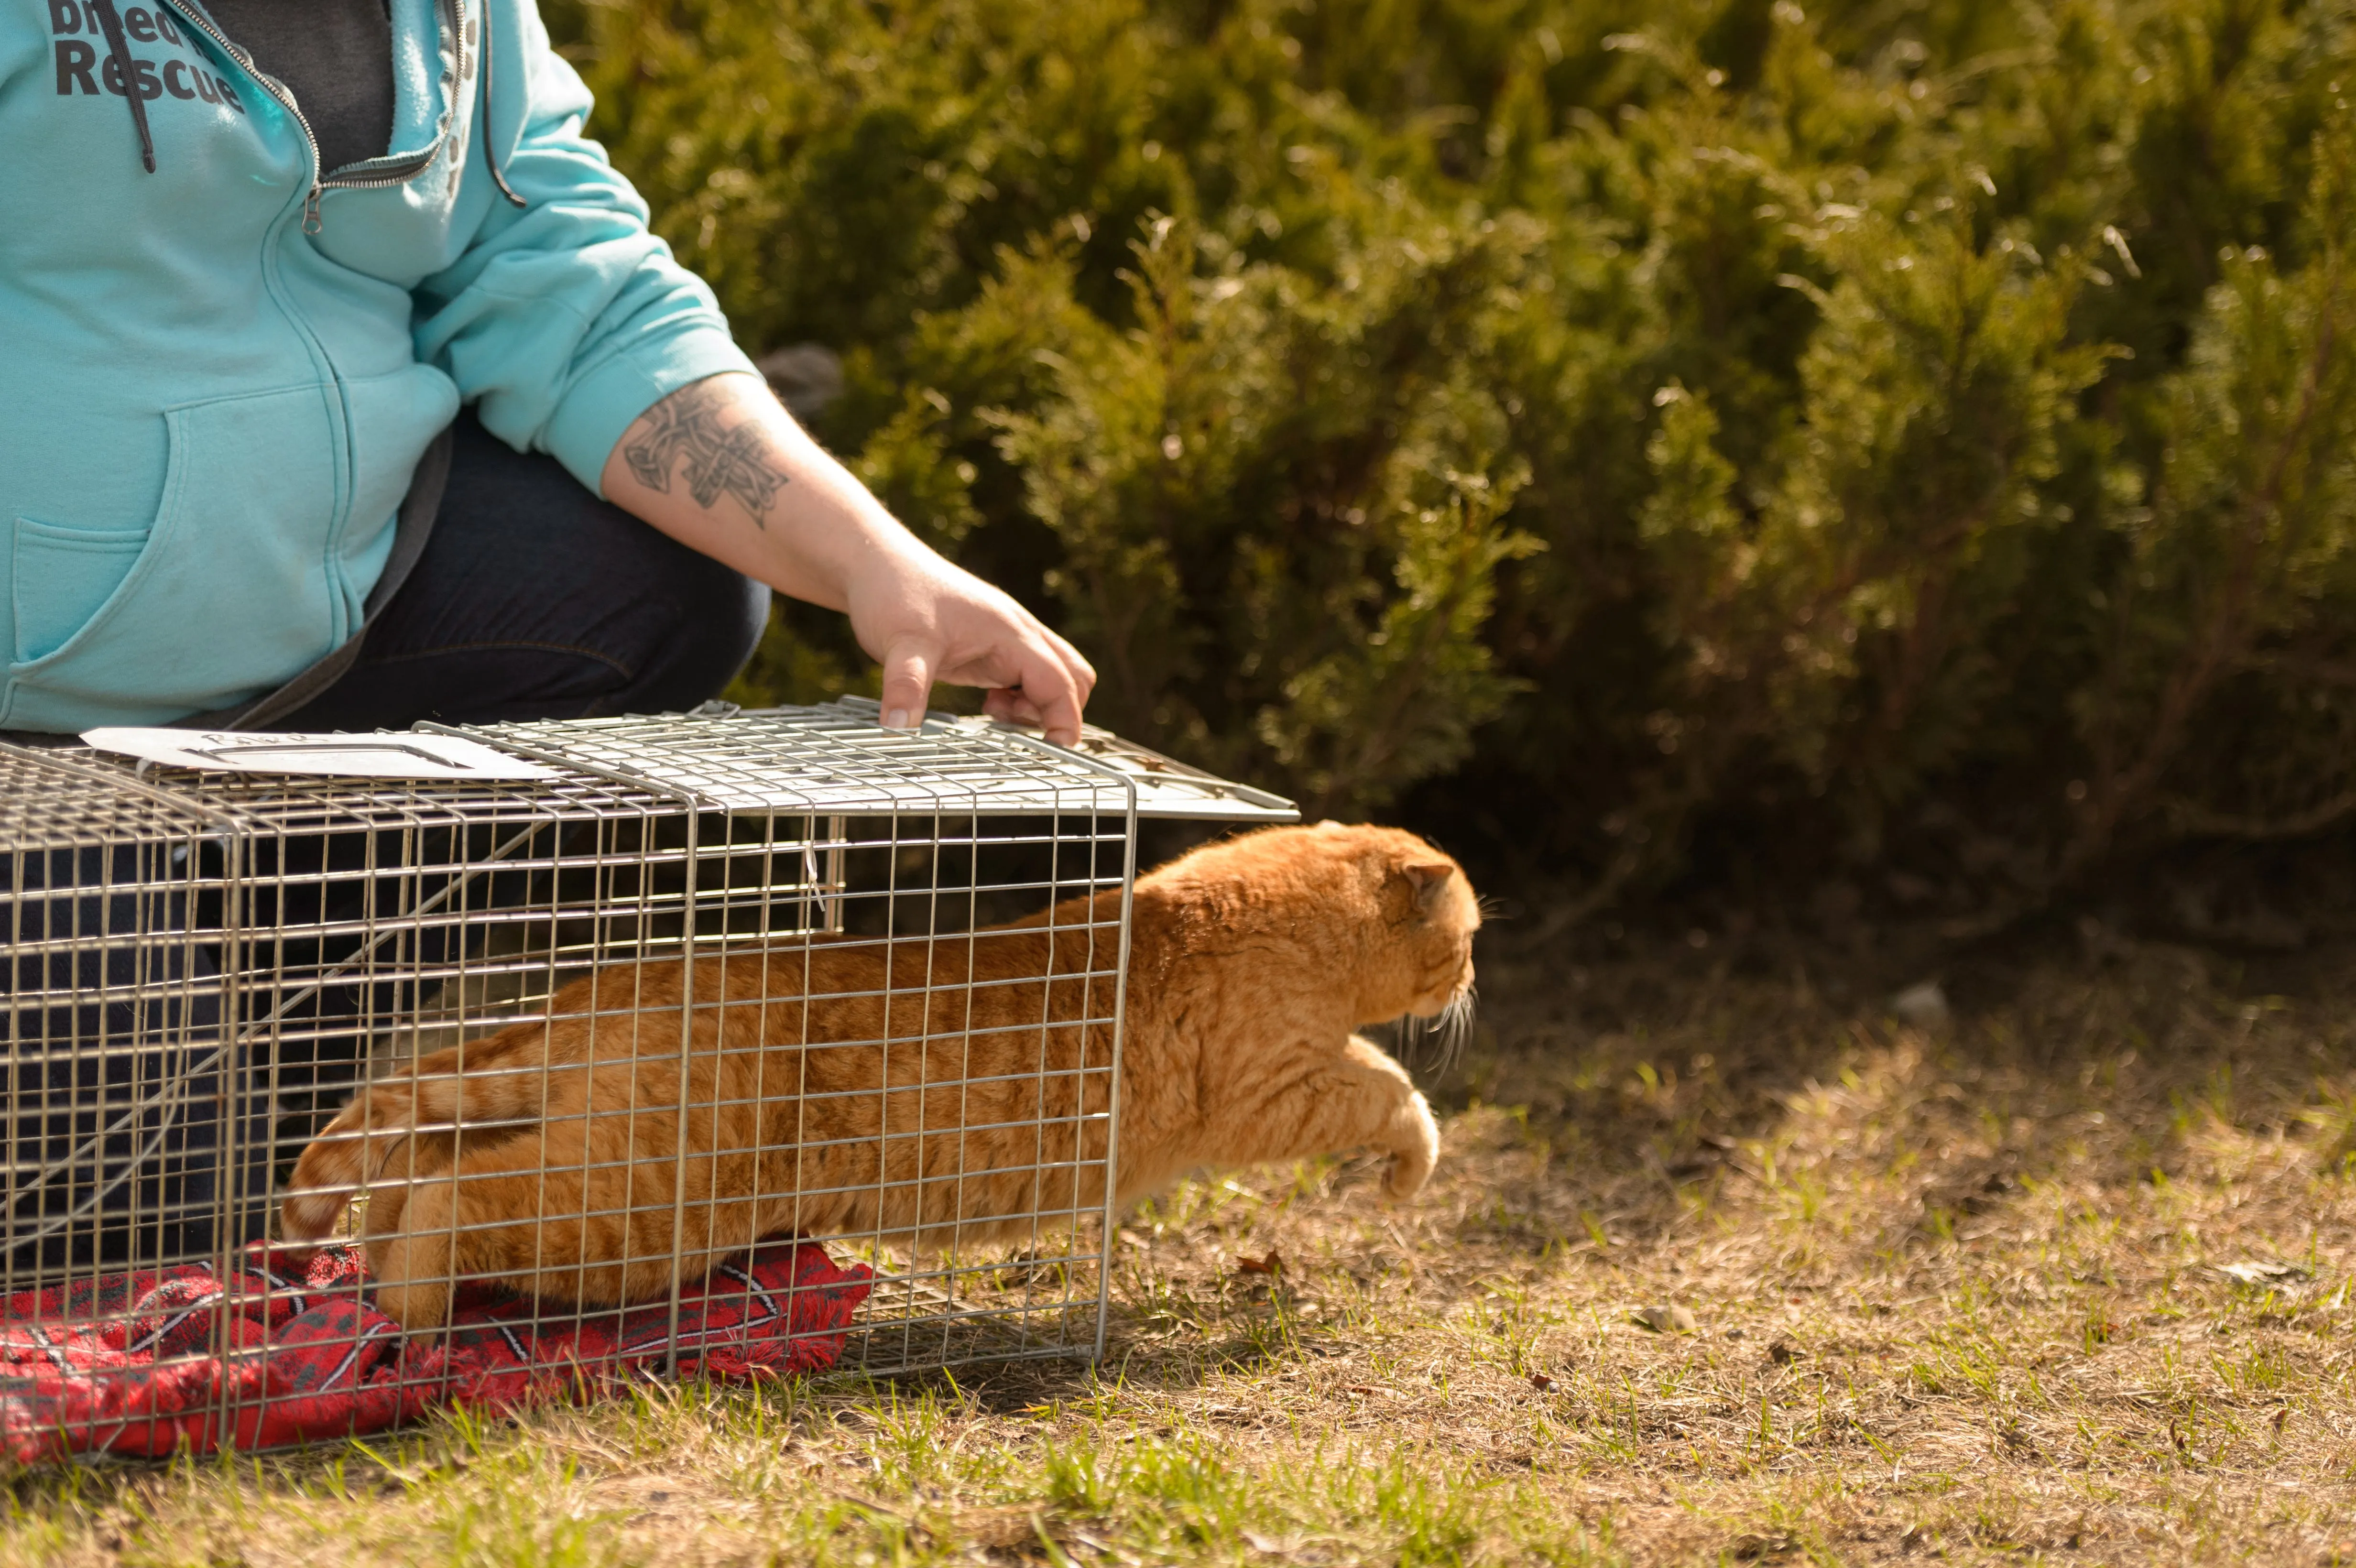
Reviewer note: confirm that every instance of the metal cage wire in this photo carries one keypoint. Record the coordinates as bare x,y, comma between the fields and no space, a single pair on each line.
203,966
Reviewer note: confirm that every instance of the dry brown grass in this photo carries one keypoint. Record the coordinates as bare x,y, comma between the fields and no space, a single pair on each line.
1956,1294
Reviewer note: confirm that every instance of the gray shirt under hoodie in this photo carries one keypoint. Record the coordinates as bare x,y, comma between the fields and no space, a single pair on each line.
335,55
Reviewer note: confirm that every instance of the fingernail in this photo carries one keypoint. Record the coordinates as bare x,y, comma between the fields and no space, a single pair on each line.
897,719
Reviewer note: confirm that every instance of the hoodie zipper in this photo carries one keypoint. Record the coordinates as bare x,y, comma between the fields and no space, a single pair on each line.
446,12
320,182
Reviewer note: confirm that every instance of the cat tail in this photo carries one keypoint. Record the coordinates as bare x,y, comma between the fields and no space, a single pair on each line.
335,1167
363,1142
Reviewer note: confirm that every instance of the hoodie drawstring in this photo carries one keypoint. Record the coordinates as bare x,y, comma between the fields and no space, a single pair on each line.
490,156
118,48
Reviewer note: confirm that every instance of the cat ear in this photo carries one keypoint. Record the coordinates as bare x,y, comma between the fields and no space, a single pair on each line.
1427,877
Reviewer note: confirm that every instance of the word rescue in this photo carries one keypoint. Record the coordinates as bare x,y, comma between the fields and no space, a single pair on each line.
85,65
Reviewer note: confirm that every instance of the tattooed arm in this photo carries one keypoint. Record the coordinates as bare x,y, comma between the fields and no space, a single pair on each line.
721,467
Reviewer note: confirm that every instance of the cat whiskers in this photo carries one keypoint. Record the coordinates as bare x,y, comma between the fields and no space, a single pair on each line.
1451,1028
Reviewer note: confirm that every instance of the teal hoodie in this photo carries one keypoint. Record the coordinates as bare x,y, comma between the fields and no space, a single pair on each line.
218,363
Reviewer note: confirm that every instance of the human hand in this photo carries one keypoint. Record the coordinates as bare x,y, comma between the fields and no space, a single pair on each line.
927,620
764,497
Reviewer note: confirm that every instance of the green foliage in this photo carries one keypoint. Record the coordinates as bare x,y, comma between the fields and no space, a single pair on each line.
2238,585
1610,422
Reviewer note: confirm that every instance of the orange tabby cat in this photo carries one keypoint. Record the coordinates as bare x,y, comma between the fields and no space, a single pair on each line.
928,1089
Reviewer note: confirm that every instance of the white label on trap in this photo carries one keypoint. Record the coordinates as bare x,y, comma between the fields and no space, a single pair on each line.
377,756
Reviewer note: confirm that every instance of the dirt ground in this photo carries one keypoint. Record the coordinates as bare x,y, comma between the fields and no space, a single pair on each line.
1724,1264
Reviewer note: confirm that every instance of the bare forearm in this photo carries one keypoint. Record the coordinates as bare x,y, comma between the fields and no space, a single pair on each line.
721,467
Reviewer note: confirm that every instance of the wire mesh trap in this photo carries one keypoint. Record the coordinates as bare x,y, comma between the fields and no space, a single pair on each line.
207,957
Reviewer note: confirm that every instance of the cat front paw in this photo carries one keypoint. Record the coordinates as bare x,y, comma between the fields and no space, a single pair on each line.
1414,1154
1406,1178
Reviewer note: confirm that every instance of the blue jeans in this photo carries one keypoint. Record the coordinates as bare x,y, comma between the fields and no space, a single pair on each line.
536,600
130,1136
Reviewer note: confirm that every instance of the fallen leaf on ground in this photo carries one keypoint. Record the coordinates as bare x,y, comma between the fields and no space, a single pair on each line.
1923,1006
1272,1263
998,1527
1669,1319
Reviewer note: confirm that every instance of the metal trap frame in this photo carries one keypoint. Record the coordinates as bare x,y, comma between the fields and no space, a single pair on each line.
203,962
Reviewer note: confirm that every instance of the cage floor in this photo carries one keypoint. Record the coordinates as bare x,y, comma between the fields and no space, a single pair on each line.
909,1322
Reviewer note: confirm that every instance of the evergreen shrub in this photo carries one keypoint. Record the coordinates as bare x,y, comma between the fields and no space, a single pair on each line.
1612,426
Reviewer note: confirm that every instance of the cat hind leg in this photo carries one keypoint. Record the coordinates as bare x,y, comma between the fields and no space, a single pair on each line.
448,1228
413,1266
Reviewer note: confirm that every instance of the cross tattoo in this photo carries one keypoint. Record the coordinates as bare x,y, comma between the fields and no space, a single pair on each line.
738,459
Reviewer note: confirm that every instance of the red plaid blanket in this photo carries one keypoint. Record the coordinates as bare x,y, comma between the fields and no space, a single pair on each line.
125,1363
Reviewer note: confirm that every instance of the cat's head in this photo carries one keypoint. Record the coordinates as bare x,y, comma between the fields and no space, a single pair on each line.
1425,914
1398,914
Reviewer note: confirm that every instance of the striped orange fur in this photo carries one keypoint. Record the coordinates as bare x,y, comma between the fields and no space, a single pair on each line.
935,1091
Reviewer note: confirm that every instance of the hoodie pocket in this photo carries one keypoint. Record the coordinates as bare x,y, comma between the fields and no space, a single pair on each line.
227,597
59,576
